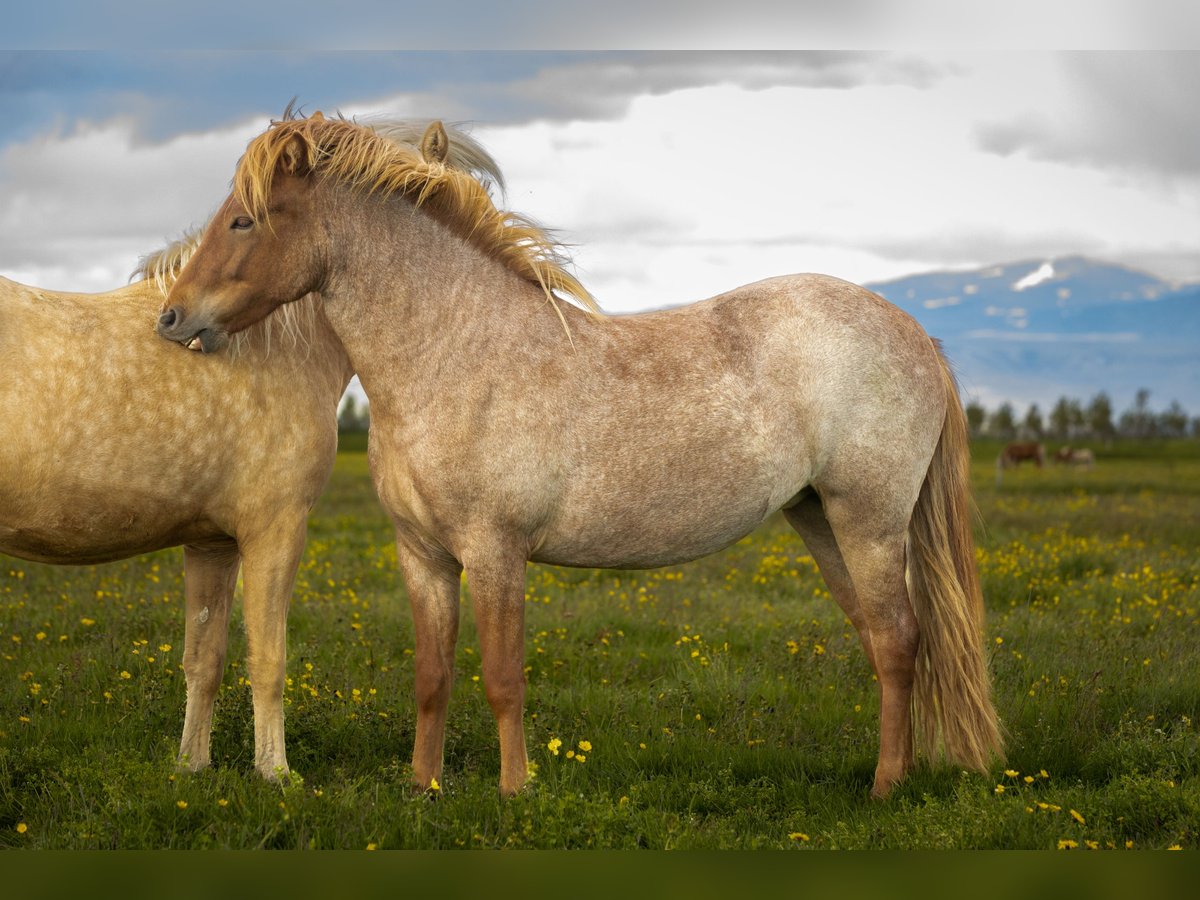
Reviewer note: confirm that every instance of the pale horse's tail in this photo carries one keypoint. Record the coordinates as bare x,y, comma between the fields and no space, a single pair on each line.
952,691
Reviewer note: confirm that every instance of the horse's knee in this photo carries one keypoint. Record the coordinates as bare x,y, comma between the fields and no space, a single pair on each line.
505,690
433,686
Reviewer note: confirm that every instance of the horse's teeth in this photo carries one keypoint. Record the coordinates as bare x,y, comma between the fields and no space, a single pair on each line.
194,344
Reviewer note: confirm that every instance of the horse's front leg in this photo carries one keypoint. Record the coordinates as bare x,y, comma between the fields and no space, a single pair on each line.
497,583
270,558
209,577
433,593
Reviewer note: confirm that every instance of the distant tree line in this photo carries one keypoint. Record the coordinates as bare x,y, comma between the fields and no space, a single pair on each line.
353,414
1071,420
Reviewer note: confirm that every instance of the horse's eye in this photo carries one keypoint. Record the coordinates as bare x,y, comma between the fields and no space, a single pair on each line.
241,223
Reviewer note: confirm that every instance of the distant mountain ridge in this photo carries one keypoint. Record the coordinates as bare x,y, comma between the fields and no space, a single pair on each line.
1034,330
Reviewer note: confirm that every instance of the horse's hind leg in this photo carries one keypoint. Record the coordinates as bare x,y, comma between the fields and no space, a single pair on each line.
209,577
270,559
872,544
433,593
808,518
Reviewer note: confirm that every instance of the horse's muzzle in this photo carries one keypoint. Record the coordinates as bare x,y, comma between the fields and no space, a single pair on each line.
171,326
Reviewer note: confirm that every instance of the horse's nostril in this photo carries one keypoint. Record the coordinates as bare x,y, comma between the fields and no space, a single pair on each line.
169,318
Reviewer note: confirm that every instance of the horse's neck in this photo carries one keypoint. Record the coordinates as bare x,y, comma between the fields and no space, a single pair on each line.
424,309
301,335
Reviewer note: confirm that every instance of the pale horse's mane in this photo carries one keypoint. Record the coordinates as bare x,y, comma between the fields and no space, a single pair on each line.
368,160
293,323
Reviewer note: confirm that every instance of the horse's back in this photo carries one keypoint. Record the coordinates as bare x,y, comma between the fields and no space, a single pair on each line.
699,421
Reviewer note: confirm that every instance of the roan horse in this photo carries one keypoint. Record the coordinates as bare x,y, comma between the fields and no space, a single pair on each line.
95,467
508,426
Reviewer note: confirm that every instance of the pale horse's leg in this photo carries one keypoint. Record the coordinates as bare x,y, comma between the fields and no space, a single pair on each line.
497,583
433,593
210,574
269,562
872,542
808,518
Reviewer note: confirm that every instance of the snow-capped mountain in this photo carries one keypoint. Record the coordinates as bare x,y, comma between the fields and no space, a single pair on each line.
1032,331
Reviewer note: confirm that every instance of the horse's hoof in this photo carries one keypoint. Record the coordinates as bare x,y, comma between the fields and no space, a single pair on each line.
431,789
185,766
280,775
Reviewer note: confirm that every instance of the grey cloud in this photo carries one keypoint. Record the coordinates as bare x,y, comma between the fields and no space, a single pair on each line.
602,87
1131,111
166,94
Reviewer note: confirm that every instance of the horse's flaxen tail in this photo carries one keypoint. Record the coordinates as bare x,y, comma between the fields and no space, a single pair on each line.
952,690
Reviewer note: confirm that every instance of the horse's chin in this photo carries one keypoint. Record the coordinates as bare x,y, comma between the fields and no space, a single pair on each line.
207,340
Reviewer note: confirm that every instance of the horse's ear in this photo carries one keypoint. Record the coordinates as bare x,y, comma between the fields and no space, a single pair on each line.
294,160
434,144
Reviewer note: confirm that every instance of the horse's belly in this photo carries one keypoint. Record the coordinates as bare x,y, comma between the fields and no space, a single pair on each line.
648,537
82,533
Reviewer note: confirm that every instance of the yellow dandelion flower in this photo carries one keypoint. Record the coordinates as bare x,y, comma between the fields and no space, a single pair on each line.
433,785
798,836
1011,773
553,745
1077,817
372,846
182,804
22,828
1067,845
579,757
585,746
41,635
222,803
570,754
125,674
1174,847
999,789
164,648
1028,779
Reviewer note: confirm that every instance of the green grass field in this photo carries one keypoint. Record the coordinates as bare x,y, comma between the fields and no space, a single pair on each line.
722,704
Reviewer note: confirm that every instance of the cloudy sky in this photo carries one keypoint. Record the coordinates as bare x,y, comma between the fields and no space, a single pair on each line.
674,173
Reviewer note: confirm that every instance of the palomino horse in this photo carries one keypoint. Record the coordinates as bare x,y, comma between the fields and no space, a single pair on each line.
508,426
95,467
1075,456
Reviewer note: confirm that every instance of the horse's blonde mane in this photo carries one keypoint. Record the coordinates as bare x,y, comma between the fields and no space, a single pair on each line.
357,155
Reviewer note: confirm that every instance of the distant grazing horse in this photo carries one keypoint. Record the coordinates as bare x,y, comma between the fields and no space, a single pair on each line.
95,466
509,426
1018,452
1081,457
